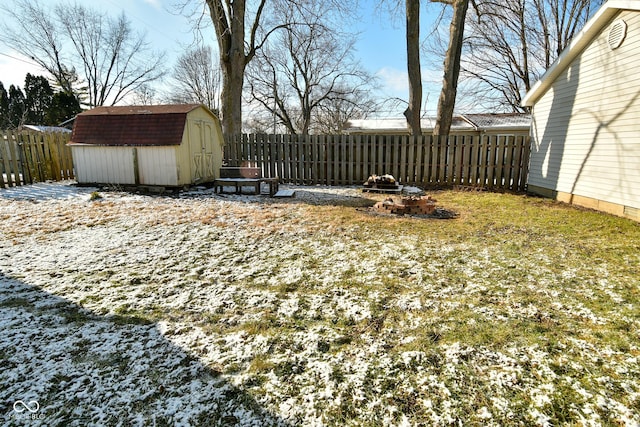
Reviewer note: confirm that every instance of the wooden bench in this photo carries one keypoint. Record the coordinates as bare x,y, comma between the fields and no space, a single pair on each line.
239,177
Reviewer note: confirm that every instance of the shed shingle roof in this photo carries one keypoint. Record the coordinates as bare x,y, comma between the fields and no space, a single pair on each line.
150,125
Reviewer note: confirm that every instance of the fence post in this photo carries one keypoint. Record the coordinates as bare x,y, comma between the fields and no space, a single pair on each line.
14,153
402,158
507,175
32,158
526,152
501,147
3,167
300,158
319,153
456,170
382,153
4,154
52,142
474,160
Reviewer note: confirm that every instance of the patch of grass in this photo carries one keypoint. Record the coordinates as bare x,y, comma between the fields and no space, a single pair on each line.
269,323
260,364
113,361
343,340
127,315
286,288
130,320
90,299
73,314
16,302
289,368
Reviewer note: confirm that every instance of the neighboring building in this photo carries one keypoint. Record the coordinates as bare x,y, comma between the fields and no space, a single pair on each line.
472,124
156,145
46,129
586,116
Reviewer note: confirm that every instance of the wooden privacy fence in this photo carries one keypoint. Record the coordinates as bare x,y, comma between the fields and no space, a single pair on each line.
28,157
498,162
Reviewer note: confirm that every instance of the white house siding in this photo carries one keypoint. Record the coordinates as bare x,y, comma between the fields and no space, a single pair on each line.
157,165
104,164
586,127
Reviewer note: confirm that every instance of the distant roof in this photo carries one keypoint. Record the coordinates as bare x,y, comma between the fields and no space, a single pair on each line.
499,120
152,125
465,122
38,128
400,124
578,44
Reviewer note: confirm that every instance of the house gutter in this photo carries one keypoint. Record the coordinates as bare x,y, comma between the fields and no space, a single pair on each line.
468,120
590,31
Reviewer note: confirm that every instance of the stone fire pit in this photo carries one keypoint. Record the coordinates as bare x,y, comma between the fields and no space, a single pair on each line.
424,206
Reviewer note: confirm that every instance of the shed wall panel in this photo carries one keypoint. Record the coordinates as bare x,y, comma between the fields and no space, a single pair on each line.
586,132
157,166
107,165
183,168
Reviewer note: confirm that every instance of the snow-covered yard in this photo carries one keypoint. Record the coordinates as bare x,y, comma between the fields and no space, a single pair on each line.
208,309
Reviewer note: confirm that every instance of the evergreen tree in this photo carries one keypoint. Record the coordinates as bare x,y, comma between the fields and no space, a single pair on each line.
17,107
39,97
63,107
4,108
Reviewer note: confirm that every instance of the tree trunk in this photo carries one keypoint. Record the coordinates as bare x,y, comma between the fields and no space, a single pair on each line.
229,26
231,96
447,100
412,113
233,79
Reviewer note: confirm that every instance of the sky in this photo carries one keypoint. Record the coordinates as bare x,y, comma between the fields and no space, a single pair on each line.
380,47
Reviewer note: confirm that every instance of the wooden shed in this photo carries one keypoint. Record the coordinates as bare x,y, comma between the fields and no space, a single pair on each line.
154,145
585,116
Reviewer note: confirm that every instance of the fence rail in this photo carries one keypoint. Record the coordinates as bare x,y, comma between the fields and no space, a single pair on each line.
27,157
498,162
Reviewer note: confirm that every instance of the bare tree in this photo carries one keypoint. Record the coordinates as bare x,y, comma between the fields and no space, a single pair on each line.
116,61
236,50
35,33
196,78
412,113
510,43
144,95
113,59
242,28
498,54
334,113
447,99
306,67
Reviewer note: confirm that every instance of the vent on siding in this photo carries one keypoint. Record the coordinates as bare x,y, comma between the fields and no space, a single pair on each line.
617,33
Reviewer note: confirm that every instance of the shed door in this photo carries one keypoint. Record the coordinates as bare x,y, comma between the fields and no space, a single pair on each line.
201,151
